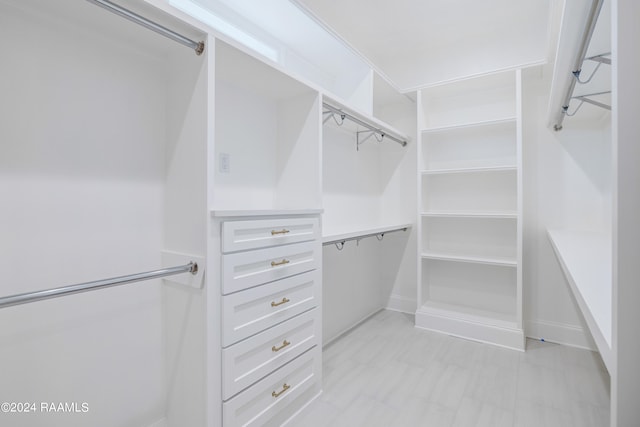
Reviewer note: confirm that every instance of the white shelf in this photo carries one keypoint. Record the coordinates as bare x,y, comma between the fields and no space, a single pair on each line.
263,212
469,314
343,105
506,262
452,214
510,119
335,236
586,259
470,170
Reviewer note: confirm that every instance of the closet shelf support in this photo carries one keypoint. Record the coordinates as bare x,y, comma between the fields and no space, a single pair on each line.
29,297
198,47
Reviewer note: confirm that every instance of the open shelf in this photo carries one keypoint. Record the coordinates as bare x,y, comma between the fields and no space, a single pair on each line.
488,98
339,236
470,170
479,214
355,127
267,136
469,314
586,260
482,240
443,256
484,145
470,192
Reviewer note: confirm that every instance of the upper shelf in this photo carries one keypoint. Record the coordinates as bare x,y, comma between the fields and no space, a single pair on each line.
586,259
357,121
342,236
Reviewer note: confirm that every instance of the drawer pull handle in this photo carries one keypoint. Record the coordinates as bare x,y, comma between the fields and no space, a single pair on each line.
285,387
283,231
283,262
284,344
284,301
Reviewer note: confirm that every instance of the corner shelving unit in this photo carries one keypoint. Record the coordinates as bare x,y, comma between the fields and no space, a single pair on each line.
470,204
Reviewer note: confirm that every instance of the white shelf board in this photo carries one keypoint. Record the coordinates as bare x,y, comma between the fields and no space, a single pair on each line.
504,120
453,214
469,314
337,236
506,262
470,170
586,259
222,213
343,105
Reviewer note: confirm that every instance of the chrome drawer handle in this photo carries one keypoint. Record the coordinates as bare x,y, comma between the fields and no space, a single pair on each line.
283,262
284,301
283,231
285,387
284,344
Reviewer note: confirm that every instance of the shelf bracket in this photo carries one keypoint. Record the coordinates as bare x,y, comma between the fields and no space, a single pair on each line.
369,134
586,98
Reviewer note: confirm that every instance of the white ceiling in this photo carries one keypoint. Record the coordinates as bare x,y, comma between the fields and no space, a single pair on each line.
420,43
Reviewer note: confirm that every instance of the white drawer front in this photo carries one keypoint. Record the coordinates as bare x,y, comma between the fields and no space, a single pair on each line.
265,399
243,235
248,361
246,269
249,312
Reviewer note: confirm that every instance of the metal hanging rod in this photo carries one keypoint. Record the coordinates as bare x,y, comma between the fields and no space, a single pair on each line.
198,47
344,115
596,5
363,236
28,297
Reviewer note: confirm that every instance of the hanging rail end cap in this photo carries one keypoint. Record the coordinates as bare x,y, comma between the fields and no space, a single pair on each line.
199,48
194,268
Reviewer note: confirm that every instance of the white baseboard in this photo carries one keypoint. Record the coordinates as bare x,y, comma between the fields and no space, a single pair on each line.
402,304
560,333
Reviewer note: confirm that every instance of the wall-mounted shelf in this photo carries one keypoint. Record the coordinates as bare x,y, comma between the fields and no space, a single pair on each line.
339,237
586,260
364,125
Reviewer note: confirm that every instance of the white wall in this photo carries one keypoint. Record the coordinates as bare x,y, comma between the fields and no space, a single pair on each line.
567,184
400,201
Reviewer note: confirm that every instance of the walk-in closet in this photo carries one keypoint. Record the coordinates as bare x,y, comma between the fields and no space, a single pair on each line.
221,213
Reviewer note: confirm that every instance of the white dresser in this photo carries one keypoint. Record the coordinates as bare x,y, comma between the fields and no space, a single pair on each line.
270,285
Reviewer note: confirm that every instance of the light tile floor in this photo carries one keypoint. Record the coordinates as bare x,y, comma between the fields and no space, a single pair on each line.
387,373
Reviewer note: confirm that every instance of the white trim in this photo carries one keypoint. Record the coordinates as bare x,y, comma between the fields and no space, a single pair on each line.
402,304
560,333
473,76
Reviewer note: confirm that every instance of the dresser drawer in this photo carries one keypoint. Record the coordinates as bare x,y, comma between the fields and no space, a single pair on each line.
246,269
247,361
249,312
271,395
243,235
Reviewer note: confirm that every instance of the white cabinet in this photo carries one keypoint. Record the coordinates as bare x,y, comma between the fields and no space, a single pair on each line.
271,355
470,180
